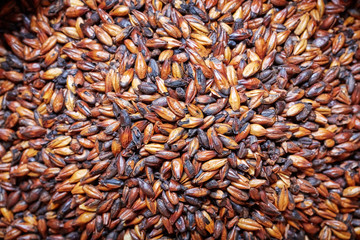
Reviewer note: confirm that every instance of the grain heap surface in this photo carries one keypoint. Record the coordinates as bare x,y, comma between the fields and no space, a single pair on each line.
182,119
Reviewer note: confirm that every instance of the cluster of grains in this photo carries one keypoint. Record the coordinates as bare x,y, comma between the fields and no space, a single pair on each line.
179,119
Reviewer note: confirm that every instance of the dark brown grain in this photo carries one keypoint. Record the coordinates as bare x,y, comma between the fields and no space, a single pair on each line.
156,119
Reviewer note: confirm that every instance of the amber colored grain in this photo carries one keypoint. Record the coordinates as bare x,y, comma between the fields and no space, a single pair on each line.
206,119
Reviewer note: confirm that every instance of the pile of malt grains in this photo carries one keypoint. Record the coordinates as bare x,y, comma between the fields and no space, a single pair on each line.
179,119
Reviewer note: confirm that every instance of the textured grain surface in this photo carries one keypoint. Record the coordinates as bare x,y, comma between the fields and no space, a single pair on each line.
159,119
